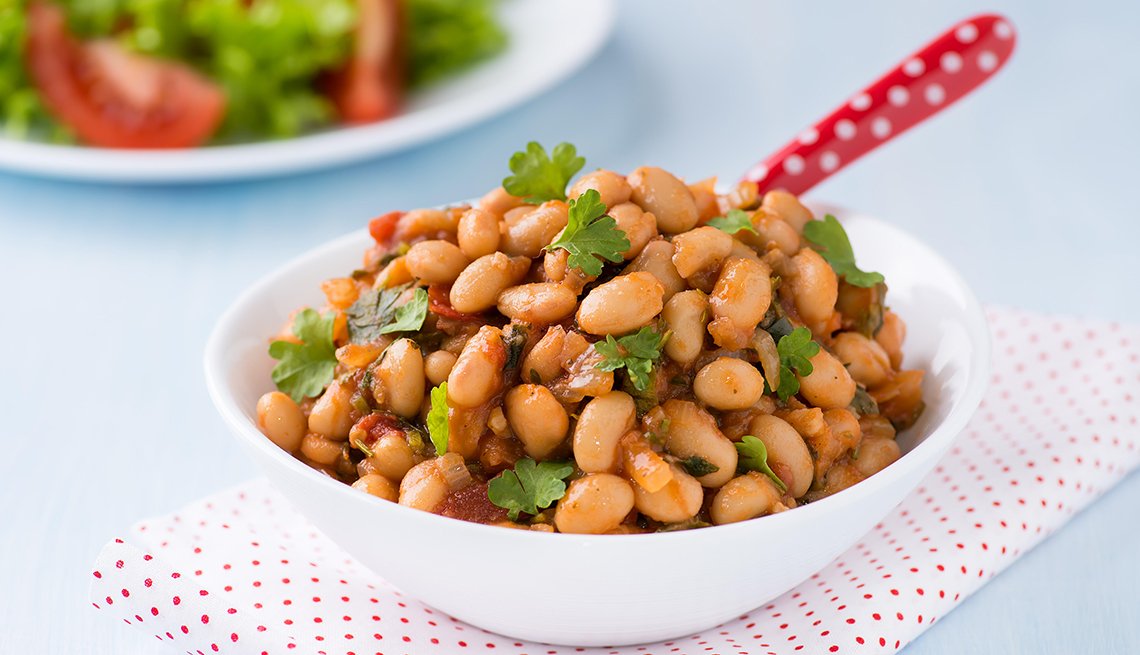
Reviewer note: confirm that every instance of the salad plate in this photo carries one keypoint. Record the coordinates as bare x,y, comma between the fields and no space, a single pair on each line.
539,54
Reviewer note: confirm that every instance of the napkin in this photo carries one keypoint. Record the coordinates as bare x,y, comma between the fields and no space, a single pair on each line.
242,572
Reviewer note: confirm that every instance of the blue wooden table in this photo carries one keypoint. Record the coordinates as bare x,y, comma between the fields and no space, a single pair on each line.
109,292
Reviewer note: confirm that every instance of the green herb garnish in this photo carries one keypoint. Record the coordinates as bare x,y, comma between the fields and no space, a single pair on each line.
306,368
830,240
735,221
795,350
697,466
754,457
539,177
437,425
375,313
590,234
635,352
530,487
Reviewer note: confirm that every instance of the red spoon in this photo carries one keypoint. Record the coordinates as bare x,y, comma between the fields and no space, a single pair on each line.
925,83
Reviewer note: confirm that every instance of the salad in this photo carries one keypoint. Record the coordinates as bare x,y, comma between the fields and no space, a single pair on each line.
183,73
627,353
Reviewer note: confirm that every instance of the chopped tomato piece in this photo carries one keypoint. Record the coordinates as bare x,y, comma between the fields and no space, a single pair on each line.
370,87
383,227
117,99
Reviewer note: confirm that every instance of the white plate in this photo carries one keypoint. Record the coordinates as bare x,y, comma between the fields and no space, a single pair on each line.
548,40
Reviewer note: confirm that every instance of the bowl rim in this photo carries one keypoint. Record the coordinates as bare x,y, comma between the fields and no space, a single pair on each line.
939,438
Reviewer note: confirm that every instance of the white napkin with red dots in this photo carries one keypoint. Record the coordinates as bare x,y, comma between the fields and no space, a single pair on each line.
242,572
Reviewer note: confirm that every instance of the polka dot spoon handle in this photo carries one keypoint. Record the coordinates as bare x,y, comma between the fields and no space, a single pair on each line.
925,83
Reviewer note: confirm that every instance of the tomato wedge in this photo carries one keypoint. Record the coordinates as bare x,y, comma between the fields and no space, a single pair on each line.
370,87
113,98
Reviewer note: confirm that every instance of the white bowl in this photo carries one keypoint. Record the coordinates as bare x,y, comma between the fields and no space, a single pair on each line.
611,590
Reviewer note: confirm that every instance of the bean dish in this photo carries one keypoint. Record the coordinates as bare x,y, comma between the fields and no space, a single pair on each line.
623,354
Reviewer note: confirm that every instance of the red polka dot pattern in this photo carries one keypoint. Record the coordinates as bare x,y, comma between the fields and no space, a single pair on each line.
241,572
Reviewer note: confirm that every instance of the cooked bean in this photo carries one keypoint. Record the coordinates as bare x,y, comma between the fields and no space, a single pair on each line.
700,248
321,449
424,487
865,360
438,365
814,285
704,193
594,504
436,261
544,360
621,305
786,449
281,420
677,501
787,207
478,233
331,415
693,432
738,302
536,418
391,456
540,303
601,424
498,202
401,376
728,383
611,187
426,222
874,455
771,232
829,384
658,191
743,195
478,372
527,235
686,315
891,336
478,287
640,227
379,486
657,258
745,497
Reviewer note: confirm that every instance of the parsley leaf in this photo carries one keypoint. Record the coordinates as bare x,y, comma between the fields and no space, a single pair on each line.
306,368
754,457
795,349
410,316
538,177
590,234
376,313
697,466
529,487
636,352
437,425
735,221
830,240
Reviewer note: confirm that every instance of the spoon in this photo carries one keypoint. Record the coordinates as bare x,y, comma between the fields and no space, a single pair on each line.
923,84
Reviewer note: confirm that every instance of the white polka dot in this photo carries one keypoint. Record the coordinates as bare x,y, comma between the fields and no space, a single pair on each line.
987,61
951,62
898,96
809,136
914,67
881,127
861,102
758,172
967,33
794,165
828,161
1003,30
845,129
935,94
